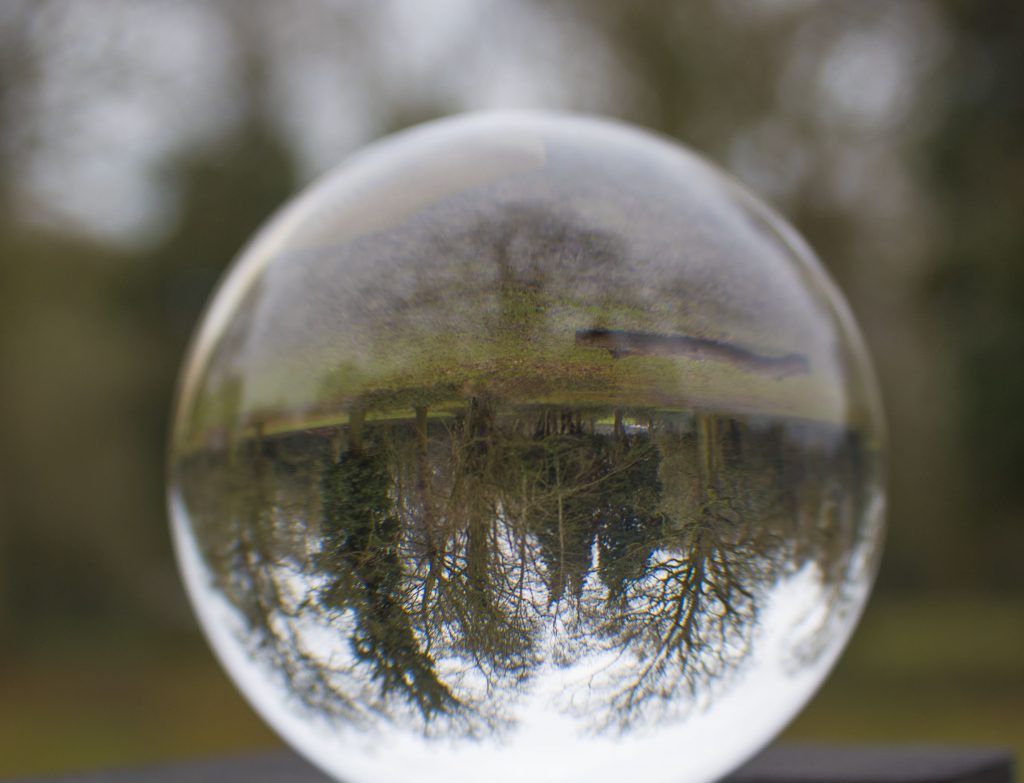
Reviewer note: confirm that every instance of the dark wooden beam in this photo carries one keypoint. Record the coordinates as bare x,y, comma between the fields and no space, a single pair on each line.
620,343
779,764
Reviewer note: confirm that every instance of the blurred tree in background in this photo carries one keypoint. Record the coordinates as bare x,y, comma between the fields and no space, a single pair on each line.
976,173
141,143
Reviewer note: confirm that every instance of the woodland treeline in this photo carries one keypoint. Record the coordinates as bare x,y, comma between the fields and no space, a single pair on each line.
451,559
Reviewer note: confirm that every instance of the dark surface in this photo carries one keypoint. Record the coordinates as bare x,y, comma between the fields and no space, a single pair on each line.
874,764
783,764
281,767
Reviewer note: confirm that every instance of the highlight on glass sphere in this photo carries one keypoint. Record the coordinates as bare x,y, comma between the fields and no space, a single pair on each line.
527,447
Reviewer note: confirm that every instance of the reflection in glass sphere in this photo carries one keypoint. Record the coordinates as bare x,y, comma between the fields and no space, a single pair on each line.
527,448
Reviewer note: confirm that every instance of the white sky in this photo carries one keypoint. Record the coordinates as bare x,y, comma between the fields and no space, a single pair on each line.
125,84
549,745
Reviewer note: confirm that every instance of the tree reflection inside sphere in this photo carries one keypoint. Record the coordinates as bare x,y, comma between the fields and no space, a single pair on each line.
527,447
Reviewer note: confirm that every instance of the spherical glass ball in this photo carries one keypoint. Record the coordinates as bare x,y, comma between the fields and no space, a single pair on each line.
527,447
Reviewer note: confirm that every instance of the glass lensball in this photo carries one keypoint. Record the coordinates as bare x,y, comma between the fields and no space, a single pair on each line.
527,447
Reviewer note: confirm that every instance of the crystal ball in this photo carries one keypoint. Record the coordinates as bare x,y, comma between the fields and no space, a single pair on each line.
527,447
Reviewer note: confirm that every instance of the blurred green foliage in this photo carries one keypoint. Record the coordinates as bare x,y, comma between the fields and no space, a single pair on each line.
976,158
892,135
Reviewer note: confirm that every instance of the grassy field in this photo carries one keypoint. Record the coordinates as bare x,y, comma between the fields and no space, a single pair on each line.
520,347
936,671
947,670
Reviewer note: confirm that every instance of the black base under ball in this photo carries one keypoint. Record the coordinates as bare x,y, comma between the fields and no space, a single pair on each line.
780,764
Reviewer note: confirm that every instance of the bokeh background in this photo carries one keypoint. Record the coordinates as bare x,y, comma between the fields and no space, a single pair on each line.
142,141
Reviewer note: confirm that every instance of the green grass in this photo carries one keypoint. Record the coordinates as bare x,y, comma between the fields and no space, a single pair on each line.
113,702
523,351
935,671
946,670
